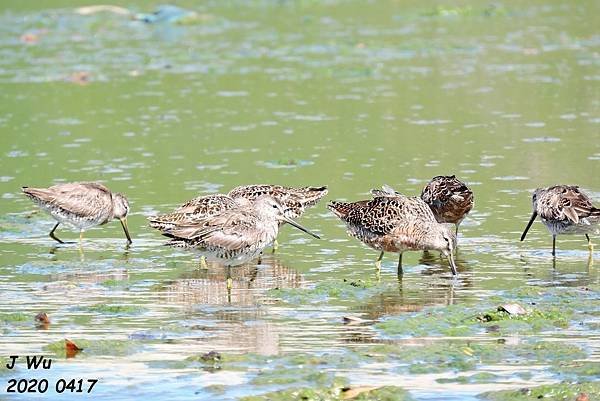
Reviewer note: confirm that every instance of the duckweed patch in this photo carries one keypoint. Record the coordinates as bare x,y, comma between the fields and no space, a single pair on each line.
553,392
96,347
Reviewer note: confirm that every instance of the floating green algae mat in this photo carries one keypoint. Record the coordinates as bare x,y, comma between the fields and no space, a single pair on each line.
387,393
547,309
15,317
452,356
96,347
576,369
116,309
331,290
483,377
552,392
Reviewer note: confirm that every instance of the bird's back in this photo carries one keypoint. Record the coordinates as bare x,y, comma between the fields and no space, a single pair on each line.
294,200
381,214
390,223
227,234
194,210
449,198
565,204
84,201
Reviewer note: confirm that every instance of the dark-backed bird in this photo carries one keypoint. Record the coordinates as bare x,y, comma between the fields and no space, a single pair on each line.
449,198
397,224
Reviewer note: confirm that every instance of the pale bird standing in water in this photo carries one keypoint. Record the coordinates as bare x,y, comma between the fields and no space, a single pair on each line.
236,235
564,209
82,205
295,200
392,222
449,198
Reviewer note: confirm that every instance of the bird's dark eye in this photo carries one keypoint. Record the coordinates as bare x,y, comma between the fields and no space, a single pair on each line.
274,206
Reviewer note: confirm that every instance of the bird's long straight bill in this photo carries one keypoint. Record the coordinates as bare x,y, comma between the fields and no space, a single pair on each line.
533,216
452,264
124,224
299,227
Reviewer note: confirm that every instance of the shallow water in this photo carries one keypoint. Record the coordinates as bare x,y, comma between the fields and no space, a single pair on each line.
504,95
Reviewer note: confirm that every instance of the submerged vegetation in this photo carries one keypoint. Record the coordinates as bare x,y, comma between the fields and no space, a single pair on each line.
552,392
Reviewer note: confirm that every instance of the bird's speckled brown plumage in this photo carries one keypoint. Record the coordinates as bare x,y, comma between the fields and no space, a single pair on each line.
564,209
196,209
395,223
449,198
295,201
235,235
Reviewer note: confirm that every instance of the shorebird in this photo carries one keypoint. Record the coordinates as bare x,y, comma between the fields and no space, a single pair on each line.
234,236
295,201
396,224
564,209
449,198
82,205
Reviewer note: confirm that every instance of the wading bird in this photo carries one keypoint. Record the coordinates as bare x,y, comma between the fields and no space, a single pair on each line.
564,209
449,198
236,235
82,205
396,224
294,200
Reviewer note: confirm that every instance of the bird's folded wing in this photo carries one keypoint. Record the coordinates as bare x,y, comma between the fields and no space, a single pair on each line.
209,204
229,223
83,199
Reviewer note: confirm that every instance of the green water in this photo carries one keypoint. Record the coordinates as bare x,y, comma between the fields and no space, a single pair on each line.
341,93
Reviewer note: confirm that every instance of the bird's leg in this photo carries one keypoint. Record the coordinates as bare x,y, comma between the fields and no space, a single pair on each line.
54,237
202,264
81,244
554,245
229,284
229,280
275,245
590,245
378,261
259,261
400,271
